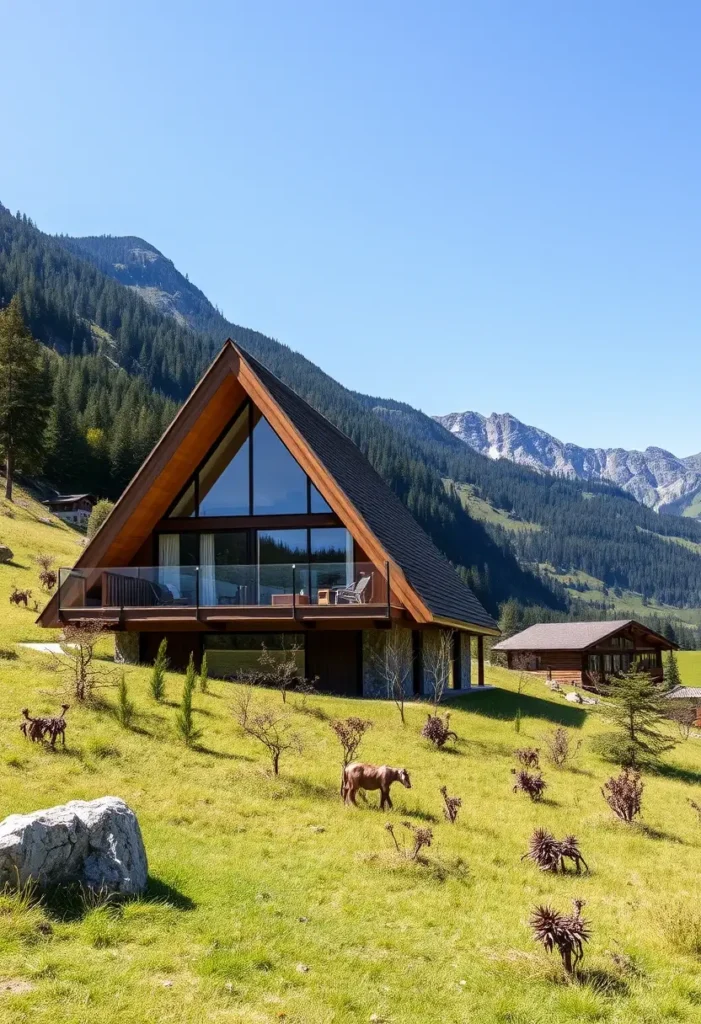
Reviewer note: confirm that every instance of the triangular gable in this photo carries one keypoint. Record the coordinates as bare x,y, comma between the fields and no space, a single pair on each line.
232,376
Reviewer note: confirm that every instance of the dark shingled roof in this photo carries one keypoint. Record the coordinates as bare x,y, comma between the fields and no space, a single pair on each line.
428,571
684,693
568,636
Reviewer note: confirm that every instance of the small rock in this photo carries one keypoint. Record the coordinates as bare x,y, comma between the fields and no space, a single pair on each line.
302,968
317,828
229,987
167,984
463,982
6,554
302,920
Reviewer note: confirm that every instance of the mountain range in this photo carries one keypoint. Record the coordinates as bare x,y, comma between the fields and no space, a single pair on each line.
654,477
127,335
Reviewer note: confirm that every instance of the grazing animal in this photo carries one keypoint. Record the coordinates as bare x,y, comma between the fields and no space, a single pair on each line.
358,777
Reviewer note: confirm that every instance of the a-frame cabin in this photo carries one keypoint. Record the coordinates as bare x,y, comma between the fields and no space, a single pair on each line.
256,523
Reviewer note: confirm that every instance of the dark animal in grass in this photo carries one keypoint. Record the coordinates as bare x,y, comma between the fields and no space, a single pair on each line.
437,731
566,933
550,853
529,757
358,776
39,729
19,597
526,782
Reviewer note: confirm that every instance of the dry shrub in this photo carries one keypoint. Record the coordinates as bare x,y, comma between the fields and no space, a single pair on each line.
560,749
273,729
623,794
438,731
77,663
349,732
526,782
529,757
421,837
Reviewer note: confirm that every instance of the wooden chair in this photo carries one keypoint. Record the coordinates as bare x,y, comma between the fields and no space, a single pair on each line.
355,594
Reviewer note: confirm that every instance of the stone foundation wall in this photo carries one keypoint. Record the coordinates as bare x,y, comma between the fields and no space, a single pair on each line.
126,648
375,654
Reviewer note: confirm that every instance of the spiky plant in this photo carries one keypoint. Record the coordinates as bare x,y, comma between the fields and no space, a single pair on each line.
526,782
529,757
544,850
623,794
452,805
565,933
569,849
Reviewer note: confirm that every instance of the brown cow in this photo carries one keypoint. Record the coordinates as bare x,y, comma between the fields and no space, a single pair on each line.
358,776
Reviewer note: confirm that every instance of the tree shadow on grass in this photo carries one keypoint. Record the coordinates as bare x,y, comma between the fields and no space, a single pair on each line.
417,812
673,771
503,704
603,982
221,755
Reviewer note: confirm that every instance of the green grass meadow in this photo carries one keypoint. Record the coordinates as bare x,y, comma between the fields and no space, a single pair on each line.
270,901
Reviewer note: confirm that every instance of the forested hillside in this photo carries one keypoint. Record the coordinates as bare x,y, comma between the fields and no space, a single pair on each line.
100,302
121,363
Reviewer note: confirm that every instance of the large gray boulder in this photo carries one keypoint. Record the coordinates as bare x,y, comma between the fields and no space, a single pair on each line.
6,554
95,842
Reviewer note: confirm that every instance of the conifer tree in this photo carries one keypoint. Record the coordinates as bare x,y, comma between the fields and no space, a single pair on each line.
184,721
204,674
158,673
672,676
638,711
24,395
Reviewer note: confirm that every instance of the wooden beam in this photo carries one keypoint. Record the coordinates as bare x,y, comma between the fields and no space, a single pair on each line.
480,660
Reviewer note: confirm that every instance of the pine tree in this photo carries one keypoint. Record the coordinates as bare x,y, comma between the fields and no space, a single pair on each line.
125,706
638,711
24,395
204,674
158,674
184,722
672,676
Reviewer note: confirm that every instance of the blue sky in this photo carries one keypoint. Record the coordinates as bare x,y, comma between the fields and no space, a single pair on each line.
489,206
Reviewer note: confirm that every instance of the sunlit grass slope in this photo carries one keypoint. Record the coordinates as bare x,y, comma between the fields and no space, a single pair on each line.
270,901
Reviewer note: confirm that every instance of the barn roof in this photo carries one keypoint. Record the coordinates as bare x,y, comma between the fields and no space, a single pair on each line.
571,636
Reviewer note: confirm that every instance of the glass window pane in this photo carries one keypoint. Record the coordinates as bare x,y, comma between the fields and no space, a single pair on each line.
279,484
282,547
224,489
278,551
331,556
185,505
318,504
226,577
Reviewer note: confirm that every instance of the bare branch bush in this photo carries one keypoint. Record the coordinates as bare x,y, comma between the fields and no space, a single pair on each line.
47,574
437,730
349,732
271,728
437,662
77,664
421,837
684,715
623,794
394,664
560,749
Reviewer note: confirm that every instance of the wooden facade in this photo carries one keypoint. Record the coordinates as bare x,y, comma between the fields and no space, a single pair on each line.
572,654
389,578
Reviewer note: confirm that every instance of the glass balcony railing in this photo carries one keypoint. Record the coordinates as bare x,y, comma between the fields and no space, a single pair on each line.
221,586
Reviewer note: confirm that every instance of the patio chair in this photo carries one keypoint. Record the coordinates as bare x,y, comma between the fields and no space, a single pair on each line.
354,594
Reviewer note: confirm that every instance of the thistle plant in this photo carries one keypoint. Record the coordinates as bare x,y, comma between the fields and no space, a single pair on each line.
550,853
526,782
452,805
529,757
623,794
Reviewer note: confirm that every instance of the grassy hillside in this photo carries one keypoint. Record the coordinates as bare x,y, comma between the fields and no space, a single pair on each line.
690,667
269,901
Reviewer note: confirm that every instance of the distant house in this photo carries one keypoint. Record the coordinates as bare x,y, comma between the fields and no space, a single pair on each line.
72,508
255,526
585,653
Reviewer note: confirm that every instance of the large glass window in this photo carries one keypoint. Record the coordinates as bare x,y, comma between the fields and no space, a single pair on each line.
279,484
331,560
229,655
224,479
316,502
278,551
226,574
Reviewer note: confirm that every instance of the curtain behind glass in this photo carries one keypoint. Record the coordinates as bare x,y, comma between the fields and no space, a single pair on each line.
208,583
169,562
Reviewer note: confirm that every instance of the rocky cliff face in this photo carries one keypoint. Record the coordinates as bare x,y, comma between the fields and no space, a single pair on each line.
655,477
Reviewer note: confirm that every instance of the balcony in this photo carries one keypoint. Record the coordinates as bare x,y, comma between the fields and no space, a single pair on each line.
211,594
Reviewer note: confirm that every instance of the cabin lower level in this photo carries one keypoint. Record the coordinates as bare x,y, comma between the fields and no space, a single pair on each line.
347,662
